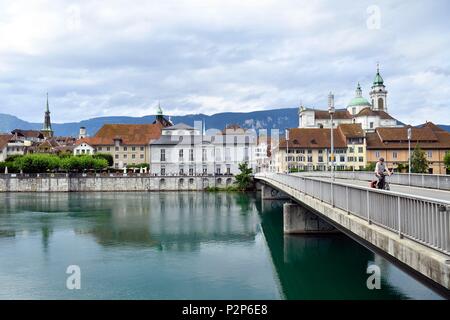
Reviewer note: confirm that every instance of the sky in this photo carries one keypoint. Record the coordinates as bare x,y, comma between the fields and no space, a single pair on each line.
105,58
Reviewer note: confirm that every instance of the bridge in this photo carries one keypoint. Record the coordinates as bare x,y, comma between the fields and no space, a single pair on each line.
410,223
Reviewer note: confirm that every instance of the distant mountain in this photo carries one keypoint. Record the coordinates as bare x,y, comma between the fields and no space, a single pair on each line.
445,127
266,119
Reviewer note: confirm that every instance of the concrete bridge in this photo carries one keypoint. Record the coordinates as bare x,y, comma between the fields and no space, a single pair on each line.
409,224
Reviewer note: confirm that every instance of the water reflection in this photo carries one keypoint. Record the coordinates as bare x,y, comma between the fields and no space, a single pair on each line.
178,245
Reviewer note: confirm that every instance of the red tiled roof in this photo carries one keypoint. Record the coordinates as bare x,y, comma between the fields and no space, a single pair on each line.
370,112
338,114
396,138
351,130
130,134
312,138
4,139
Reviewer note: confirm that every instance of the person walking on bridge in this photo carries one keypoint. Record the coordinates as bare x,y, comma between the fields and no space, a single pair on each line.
380,169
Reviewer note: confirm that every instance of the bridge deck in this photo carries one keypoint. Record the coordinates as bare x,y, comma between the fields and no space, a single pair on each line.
415,191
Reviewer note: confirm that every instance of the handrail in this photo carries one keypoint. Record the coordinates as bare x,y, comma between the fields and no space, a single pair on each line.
422,219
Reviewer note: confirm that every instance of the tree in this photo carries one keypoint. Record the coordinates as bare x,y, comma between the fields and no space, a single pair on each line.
244,179
419,162
447,160
108,157
37,163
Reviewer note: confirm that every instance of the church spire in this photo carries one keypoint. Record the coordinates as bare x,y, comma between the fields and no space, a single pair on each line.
47,128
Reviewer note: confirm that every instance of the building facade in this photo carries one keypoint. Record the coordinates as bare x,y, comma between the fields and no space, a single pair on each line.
359,110
392,145
310,149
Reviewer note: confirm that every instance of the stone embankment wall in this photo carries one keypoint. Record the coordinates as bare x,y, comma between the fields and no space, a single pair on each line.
92,183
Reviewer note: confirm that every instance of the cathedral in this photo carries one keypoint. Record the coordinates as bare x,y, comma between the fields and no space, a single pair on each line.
370,115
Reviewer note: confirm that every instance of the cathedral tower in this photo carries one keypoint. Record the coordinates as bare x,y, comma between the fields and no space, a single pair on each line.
378,93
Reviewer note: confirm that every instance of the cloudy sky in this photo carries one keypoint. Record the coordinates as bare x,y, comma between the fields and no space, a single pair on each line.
98,58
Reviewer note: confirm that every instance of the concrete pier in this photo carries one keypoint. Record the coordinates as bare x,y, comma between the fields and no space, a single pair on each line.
297,219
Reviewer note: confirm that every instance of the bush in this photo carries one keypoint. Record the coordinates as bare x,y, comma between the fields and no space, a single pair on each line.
106,156
37,163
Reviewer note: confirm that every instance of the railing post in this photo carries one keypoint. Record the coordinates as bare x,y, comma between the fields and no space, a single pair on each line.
332,194
320,187
346,199
399,215
368,207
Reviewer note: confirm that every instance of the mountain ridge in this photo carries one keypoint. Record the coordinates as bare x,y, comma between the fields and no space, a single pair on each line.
264,119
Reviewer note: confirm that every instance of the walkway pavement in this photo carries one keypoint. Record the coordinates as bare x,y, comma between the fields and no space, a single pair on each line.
423,192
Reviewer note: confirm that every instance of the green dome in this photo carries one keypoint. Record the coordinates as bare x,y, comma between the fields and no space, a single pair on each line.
359,101
378,81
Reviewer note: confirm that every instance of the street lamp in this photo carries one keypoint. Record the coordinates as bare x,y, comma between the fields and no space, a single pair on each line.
287,149
409,155
331,111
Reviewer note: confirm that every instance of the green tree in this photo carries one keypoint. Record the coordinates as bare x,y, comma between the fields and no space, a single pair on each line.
244,179
447,160
419,162
37,163
108,157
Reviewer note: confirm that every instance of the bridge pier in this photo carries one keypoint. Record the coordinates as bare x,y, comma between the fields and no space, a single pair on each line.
297,219
269,193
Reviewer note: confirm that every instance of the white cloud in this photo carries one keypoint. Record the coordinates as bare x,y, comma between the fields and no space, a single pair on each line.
115,58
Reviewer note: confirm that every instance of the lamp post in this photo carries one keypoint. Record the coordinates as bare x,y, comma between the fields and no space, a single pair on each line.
331,111
409,155
287,149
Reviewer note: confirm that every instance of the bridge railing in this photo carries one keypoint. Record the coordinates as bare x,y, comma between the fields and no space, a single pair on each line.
433,181
420,219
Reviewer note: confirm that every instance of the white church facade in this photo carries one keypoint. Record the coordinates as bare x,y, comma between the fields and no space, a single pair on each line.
370,115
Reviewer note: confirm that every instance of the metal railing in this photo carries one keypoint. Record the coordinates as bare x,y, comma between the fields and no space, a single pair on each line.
421,219
433,181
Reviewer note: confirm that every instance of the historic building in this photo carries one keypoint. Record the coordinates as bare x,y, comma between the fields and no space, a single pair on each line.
370,115
185,150
309,149
129,144
392,145
47,130
9,146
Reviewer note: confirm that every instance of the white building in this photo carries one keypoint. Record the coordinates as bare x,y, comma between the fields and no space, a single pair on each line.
82,147
359,110
10,146
186,150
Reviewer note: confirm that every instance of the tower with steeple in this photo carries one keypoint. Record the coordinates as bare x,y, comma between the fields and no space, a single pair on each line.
47,128
161,119
378,93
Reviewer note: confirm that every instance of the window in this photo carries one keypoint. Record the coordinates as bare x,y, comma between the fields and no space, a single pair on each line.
133,156
320,158
377,154
108,149
371,125
124,156
181,171
204,155
142,156
246,154
227,154
180,154
99,148
116,156
394,155
380,104
117,148
191,171
354,110
133,148
342,158
163,171
351,150
430,154
191,154
309,151
163,155
217,170
360,149
361,159
142,148
310,159
320,151
228,170
125,148
350,159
